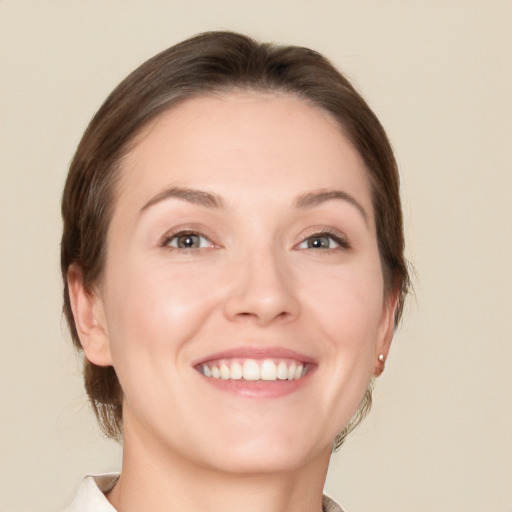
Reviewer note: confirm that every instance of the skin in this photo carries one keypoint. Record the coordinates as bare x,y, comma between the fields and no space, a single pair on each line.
254,282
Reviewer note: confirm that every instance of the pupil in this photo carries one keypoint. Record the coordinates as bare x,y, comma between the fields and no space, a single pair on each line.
188,241
319,243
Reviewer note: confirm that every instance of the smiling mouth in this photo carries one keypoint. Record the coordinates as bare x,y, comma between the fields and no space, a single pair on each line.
266,370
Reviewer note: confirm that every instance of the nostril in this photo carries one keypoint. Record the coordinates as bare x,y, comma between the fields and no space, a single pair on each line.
261,301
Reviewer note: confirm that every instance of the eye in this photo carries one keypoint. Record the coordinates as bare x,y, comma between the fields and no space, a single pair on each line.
187,240
324,241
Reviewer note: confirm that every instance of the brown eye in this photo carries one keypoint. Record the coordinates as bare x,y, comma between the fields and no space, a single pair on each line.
320,242
188,241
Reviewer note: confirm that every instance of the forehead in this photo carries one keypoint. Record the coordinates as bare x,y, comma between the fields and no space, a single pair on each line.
243,141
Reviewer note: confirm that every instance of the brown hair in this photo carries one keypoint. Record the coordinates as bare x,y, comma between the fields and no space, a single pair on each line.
209,63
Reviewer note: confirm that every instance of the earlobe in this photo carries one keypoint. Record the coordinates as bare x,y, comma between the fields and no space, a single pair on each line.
90,321
386,331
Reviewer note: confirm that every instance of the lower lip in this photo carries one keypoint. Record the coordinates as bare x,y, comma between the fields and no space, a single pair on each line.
259,389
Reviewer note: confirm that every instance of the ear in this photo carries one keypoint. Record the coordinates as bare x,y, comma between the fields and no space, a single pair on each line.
386,331
90,319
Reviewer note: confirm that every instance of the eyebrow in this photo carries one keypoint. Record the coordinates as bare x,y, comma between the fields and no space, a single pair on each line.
210,200
310,199
190,195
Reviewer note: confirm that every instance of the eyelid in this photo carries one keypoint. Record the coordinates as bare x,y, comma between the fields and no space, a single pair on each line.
339,237
188,229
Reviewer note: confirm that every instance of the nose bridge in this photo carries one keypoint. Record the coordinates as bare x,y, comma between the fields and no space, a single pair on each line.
262,286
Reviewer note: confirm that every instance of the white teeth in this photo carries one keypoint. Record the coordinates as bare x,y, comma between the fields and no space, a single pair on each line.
251,370
282,371
268,370
254,370
291,371
236,371
224,372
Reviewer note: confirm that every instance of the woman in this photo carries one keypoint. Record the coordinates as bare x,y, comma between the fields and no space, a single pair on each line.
233,268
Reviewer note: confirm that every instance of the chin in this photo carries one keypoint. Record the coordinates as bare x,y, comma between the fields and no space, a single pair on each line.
259,454
262,462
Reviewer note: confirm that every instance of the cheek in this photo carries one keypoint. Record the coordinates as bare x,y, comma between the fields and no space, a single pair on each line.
348,303
156,305
345,308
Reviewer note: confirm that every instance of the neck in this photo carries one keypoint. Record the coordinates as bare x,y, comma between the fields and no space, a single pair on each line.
157,480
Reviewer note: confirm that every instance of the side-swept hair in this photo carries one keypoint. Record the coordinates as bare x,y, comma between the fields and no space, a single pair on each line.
214,62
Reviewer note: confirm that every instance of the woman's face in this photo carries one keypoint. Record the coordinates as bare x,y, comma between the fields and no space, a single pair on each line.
242,302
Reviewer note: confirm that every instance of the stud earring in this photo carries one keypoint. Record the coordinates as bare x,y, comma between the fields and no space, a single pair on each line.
382,358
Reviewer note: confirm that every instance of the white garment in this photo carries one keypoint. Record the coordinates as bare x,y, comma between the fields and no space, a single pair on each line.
91,497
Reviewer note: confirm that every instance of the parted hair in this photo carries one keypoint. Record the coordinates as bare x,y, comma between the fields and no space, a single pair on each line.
209,63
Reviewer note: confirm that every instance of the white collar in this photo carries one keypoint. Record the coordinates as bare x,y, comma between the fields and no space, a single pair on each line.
91,496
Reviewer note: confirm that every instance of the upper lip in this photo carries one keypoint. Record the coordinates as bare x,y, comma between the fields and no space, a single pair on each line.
252,352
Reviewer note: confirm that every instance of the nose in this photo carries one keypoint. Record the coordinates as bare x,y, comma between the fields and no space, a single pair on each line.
262,289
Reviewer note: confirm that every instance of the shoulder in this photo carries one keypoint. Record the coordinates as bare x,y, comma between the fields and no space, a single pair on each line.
91,497
329,505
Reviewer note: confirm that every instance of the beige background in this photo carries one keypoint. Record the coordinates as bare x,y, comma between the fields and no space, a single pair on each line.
439,74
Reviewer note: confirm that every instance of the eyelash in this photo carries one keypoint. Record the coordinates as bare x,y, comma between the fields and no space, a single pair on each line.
341,241
168,239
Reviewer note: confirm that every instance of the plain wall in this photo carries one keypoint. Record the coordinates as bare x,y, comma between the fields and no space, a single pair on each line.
439,75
